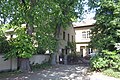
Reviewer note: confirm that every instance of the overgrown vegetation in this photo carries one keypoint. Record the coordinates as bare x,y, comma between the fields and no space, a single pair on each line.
43,21
4,45
106,34
72,58
105,60
44,65
22,46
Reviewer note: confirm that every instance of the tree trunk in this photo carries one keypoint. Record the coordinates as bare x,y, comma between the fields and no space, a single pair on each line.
24,65
65,59
56,52
53,60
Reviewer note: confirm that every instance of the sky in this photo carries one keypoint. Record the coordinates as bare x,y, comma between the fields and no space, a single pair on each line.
88,15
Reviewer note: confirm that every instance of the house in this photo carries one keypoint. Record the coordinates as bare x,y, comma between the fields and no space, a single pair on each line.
66,37
82,36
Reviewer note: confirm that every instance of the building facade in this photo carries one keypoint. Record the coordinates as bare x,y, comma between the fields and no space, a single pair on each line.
82,37
66,36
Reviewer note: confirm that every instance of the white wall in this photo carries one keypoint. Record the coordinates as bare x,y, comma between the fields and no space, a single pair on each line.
11,64
78,36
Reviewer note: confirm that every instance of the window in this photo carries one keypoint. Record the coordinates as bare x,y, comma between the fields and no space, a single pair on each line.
63,35
68,37
83,34
90,50
86,34
72,38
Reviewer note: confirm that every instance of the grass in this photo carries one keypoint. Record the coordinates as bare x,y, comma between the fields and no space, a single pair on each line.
112,73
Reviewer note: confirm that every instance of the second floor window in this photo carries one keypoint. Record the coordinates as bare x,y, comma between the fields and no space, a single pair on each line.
68,37
63,35
86,34
72,38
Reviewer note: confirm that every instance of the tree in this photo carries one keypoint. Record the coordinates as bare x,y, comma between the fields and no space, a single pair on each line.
22,47
43,18
107,30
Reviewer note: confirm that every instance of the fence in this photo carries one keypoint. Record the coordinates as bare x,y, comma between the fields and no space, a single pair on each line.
11,64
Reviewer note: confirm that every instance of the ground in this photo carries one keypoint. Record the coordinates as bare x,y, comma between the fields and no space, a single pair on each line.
61,72
100,76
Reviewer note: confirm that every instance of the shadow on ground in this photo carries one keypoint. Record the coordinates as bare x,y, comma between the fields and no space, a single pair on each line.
59,72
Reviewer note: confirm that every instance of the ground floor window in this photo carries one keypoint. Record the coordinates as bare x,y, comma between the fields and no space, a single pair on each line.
90,50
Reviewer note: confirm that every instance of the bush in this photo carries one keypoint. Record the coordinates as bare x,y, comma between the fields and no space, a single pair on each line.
105,60
4,45
98,62
72,58
41,66
40,50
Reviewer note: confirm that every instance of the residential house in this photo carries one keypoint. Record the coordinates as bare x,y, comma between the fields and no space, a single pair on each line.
82,36
67,35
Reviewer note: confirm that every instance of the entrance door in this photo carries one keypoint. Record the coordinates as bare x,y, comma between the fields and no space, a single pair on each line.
81,52
61,57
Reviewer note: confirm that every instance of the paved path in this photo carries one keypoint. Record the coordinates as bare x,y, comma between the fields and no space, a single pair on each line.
99,76
63,72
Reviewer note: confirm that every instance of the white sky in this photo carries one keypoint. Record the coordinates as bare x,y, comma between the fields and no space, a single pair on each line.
88,15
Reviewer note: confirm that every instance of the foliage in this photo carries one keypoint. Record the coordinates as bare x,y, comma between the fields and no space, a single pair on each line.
98,62
41,66
4,45
105,60
44,16
72,58
21,46
72,46
40,50
107,30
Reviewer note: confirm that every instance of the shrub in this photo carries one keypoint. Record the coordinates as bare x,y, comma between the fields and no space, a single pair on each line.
40,50
105,60
4,45
98,62
40,66
72,58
